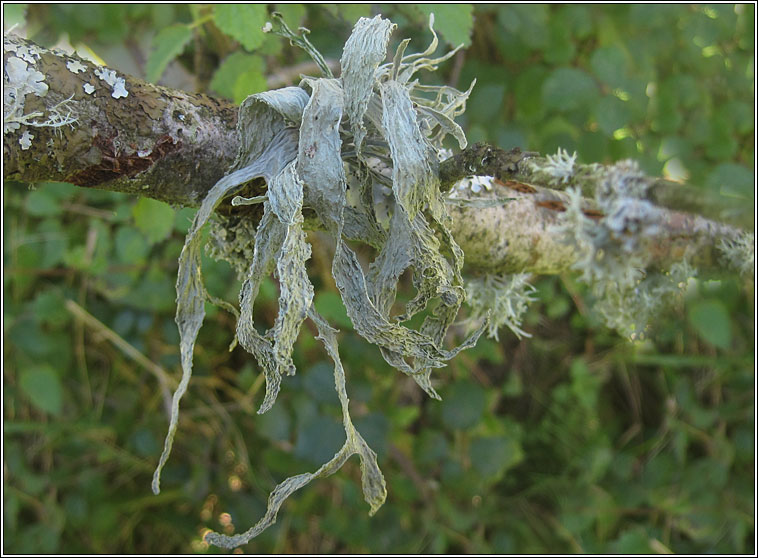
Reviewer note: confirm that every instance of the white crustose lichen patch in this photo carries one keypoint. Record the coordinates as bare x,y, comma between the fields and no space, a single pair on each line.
26,140
89,89
117,83
29,54
74,66
19,80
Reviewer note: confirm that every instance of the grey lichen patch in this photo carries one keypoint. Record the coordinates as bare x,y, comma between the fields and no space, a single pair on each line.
305,142
560,167
504,299
738,252
27,52
613,255
631,310
502,231
19,80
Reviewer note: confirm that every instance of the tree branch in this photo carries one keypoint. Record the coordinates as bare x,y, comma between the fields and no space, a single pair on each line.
529,169
155,142
174,146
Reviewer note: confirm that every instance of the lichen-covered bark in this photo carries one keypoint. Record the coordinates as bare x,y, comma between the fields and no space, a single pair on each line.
519,235
154,141
174,146
528,168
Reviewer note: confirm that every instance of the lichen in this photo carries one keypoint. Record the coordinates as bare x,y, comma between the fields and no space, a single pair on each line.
475,183
74,66
503,299
20,79
26,140
378,130
612,251
118,84
560,166
738,252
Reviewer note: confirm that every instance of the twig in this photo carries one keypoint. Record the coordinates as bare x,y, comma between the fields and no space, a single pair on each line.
163,377
286,76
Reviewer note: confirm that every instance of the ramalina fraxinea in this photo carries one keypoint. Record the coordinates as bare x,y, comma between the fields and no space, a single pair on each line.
361,153
312,144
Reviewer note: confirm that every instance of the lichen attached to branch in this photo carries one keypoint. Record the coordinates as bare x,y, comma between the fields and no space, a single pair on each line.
308,143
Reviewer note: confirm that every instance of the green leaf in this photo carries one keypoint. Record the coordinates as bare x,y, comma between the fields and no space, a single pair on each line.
249,82
527,88
732,179
609,65
14,14
486,102
525,22
568,89
49,308
318,381
154,218
42,203
494,455
54,242
276,423
329,305
131,246
318,439
611,114
293,14
167,45
59,190
560,48
238,67
463,405
632,541
453,21
184,218
43,388
353,12
710,319
242,22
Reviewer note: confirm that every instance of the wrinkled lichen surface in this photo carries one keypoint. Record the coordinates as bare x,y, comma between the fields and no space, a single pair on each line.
374,132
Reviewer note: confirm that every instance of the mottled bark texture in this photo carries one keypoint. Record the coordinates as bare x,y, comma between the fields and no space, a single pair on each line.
155,141
174,146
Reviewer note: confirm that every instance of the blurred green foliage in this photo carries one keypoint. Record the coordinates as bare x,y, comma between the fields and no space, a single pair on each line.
572,441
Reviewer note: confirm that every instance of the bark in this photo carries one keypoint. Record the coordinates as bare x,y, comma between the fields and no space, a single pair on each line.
173,146
156,142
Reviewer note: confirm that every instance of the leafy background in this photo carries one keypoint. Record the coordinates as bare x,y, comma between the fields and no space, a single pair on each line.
572,441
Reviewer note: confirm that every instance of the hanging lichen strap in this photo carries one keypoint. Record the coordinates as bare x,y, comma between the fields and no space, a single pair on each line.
279,244
317,179
364,51
277,145
372,480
